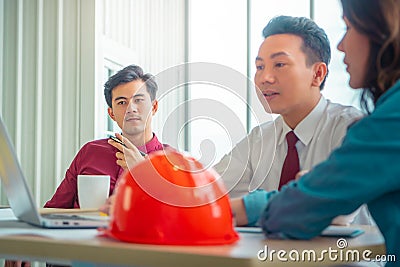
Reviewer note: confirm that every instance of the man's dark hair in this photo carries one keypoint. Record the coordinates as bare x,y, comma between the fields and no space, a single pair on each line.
129,74
316,44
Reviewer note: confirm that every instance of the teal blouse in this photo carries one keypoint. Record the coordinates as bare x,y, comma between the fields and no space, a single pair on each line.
365,169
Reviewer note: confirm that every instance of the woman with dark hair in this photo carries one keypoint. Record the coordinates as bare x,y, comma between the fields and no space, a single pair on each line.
365,168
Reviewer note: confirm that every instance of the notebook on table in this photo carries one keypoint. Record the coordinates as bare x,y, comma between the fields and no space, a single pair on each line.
22,203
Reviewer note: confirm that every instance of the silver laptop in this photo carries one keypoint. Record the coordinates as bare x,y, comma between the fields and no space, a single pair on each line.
20,197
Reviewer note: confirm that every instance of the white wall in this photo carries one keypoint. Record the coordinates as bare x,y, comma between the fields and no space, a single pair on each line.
52,54
48,78
153,37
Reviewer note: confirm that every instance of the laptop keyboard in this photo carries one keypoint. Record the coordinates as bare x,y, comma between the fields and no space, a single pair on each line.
64,217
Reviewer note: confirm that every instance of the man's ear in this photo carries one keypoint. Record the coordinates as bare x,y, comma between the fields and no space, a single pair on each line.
155,107
111,113
320,71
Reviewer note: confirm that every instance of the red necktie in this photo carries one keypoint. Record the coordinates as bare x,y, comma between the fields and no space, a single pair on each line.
291,164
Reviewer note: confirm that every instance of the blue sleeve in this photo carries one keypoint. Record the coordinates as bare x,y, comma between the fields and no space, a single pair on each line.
363,169
254,204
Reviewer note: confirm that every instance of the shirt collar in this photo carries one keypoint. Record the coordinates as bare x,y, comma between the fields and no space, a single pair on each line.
306,128
151,146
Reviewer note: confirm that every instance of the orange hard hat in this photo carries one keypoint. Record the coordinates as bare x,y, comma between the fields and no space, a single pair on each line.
169,198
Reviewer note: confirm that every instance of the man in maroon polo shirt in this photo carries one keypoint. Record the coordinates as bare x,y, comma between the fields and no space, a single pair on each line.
131,97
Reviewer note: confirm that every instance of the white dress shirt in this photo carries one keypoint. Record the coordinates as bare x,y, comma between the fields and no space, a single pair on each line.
256,161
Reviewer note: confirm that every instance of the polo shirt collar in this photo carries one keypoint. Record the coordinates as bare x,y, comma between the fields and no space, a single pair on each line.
151,146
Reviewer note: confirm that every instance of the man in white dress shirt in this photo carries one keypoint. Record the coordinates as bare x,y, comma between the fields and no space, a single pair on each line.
292,65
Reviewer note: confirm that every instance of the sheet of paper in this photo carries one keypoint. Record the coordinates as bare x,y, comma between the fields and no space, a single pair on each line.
9,225
248,229
62,234
342,231
332,230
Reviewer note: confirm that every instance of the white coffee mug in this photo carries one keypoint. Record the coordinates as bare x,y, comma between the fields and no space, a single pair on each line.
93,190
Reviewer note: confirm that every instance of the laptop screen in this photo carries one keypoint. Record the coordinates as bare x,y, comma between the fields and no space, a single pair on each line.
14,183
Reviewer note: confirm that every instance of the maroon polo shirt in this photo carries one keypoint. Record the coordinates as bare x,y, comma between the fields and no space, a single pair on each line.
97,158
